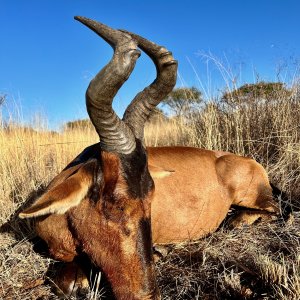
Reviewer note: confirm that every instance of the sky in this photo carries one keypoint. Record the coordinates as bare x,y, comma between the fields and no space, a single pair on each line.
47,59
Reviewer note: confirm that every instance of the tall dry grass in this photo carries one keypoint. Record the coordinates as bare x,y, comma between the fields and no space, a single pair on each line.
31,158
260,263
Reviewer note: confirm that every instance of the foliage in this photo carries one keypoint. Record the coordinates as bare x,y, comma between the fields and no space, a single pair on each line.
182,100
256,91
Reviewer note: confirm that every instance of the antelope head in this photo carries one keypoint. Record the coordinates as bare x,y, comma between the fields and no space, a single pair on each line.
105,193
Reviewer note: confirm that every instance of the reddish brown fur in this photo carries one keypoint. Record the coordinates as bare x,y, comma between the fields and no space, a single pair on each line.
116,250
54,230
196,197
113,223
186,205
100,204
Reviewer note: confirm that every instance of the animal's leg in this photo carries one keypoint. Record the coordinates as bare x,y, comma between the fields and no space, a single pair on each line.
259,197
248,217
267,204
246,183
70,280
160,251
54,230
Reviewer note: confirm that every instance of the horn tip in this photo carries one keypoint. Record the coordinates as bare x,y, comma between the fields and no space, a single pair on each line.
80,18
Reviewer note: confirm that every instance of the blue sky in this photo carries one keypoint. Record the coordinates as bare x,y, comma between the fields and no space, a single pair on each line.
47,58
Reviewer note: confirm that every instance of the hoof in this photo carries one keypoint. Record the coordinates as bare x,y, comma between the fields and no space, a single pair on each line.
160,251
70,281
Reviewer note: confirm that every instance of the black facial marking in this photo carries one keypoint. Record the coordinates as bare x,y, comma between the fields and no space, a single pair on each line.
136,172
88,153
144,241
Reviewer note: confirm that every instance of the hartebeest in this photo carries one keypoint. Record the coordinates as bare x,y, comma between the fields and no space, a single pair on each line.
100,203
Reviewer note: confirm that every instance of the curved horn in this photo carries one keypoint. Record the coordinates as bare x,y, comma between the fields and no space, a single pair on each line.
114,135
144,102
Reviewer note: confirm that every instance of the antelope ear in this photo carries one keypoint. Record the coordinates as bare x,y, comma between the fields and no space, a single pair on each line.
158,172
63,196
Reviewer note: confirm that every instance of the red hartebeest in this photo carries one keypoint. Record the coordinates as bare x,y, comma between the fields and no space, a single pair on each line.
100,203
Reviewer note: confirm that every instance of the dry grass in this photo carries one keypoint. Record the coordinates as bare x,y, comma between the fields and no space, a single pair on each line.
260,262
29,160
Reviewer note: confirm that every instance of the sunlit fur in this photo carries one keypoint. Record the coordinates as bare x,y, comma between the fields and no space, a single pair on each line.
194,189
106,205
196,196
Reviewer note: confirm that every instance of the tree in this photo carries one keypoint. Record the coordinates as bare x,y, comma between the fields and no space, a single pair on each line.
249,93
157,115
182,100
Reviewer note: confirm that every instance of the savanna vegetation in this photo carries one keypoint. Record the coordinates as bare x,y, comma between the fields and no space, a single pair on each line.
258,120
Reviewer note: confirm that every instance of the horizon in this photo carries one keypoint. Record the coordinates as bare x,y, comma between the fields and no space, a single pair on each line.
47,58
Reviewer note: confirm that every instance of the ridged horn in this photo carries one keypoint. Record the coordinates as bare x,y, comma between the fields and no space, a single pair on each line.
115,136
144,102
